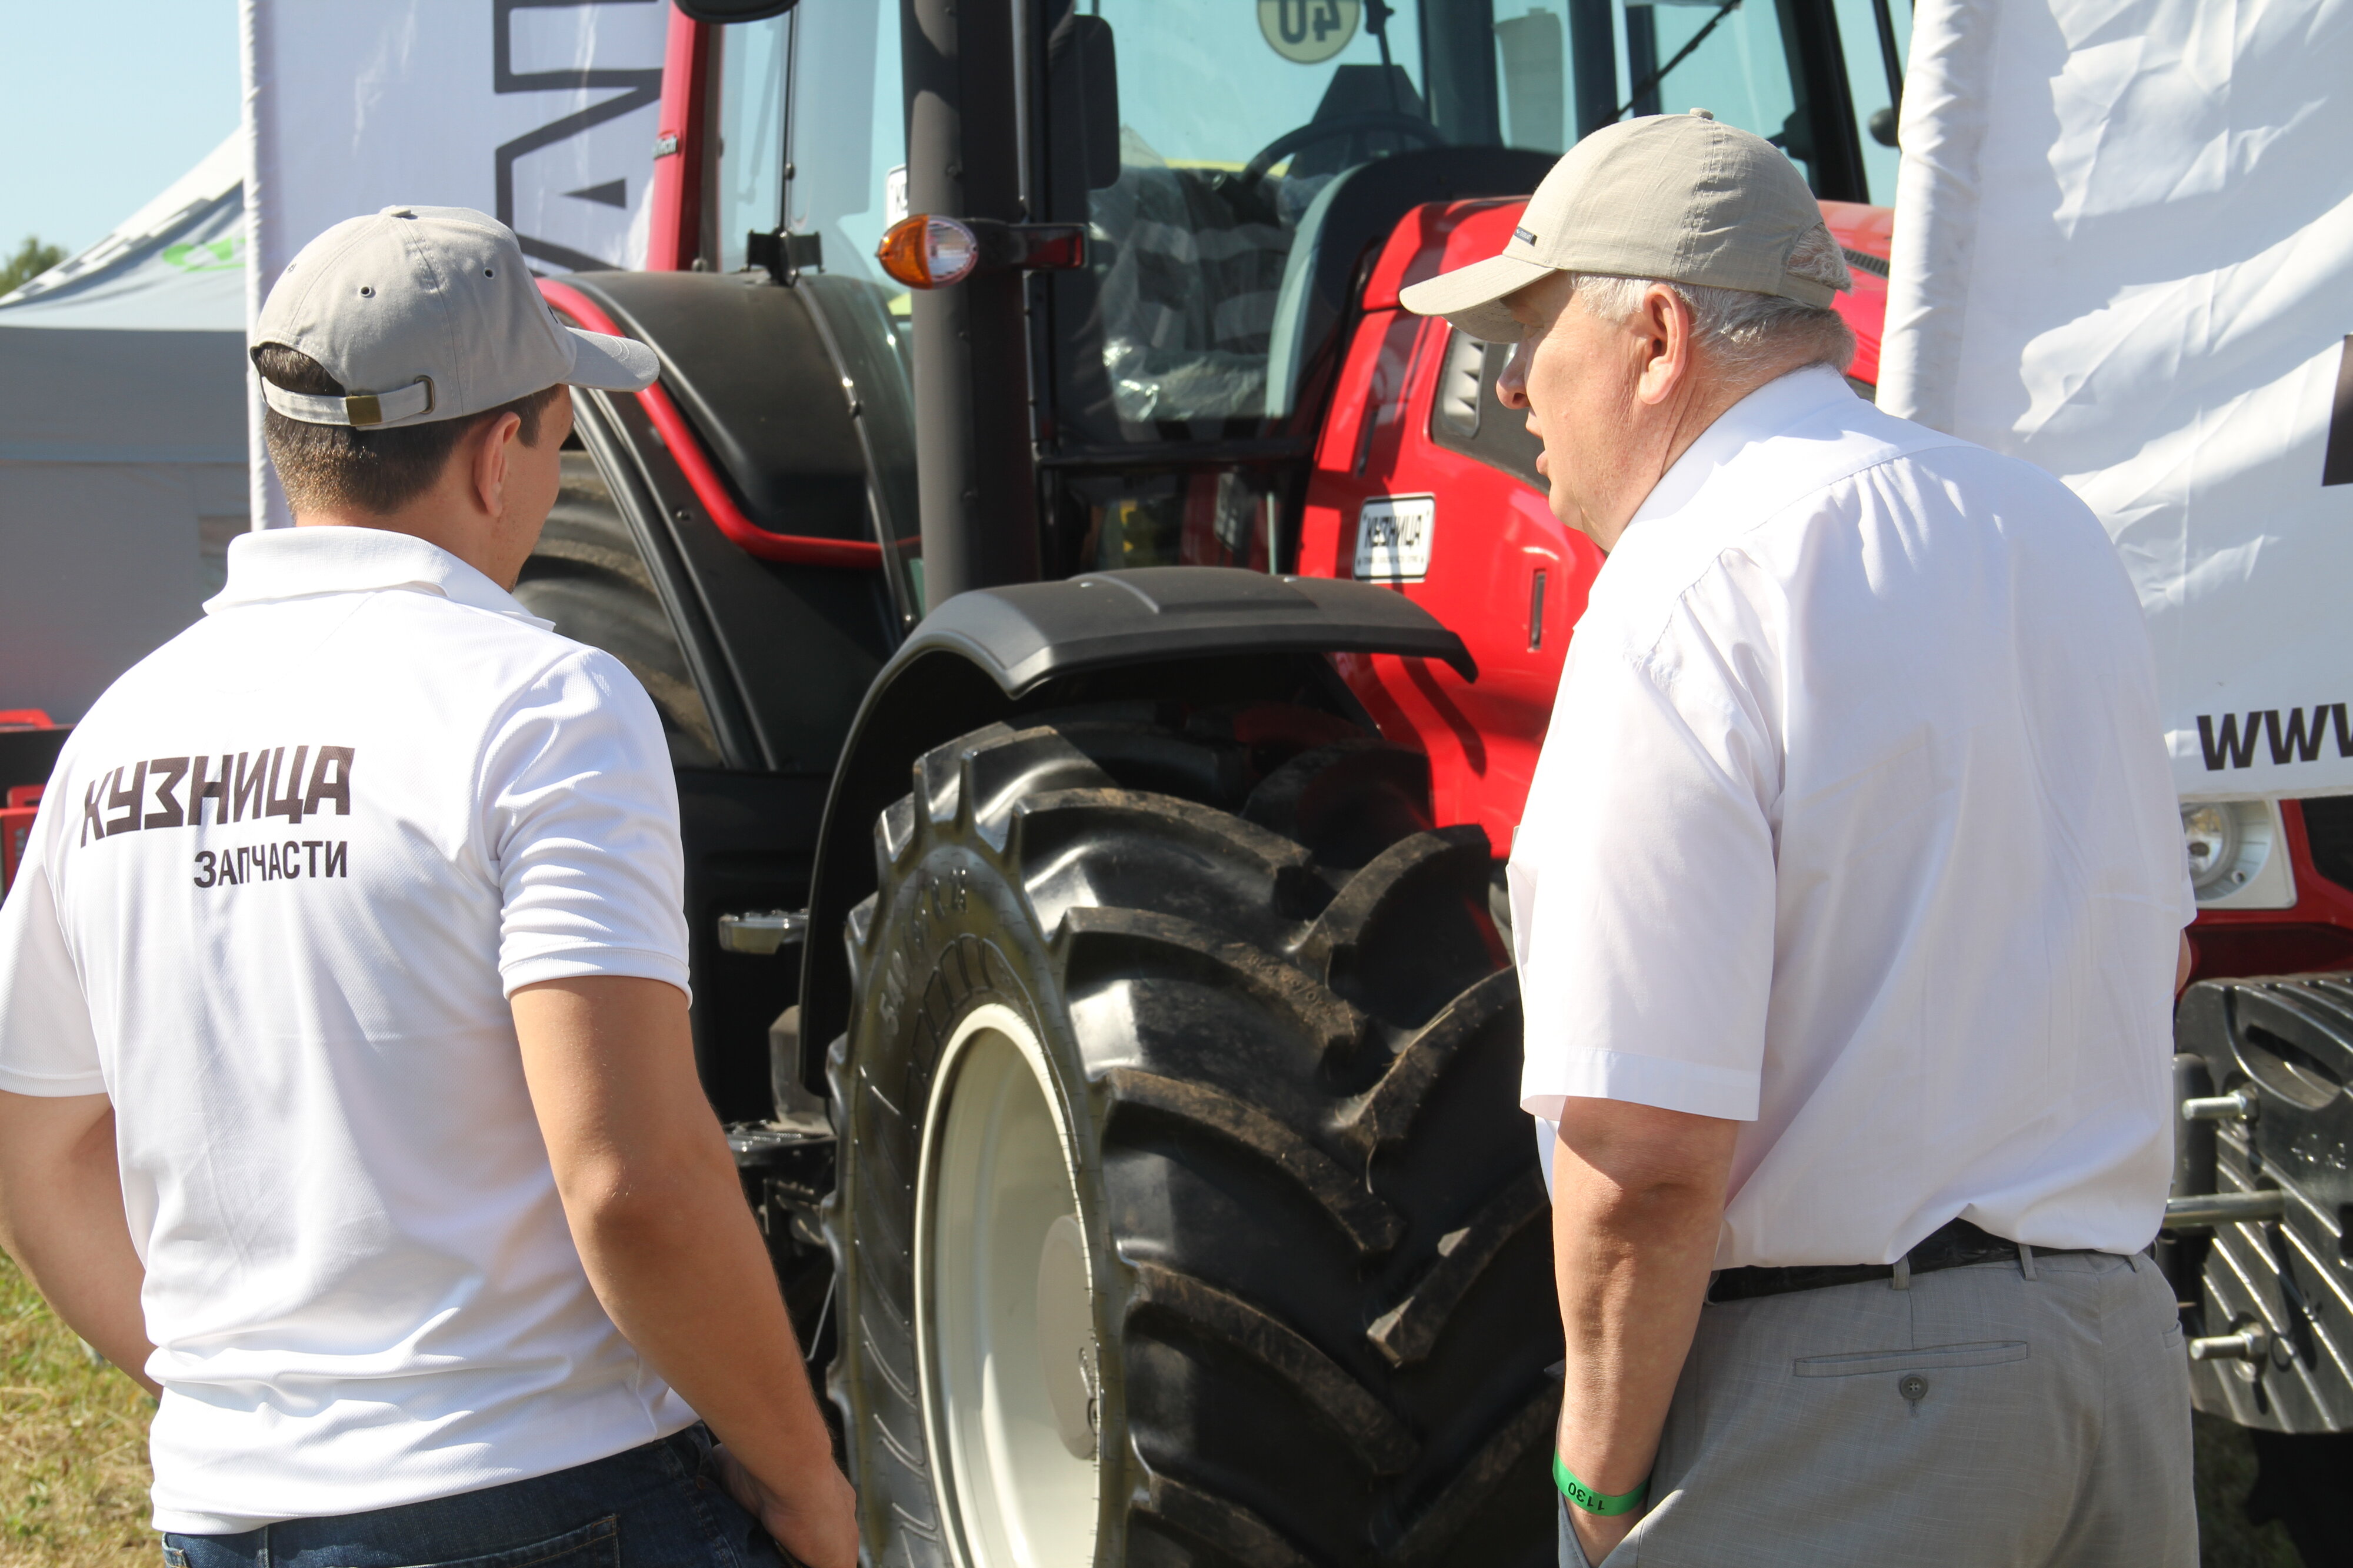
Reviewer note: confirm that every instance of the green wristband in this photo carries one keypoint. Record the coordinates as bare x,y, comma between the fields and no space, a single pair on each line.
1592,1502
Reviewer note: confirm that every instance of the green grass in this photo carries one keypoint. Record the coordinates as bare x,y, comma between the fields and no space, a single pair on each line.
73,1458
73,1444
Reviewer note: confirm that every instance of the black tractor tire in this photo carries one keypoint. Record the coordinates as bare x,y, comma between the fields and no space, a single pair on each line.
1281,1039
588,577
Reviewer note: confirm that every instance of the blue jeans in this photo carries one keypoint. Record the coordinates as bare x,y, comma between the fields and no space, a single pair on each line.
659,1506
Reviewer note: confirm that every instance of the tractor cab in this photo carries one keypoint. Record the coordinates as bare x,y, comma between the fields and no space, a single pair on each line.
1231,166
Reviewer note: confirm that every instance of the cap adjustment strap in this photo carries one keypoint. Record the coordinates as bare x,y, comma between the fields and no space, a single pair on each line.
360,410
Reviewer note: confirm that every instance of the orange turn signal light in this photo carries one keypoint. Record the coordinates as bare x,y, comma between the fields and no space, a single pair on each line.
927,252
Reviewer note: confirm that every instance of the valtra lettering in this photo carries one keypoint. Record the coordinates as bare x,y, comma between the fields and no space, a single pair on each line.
2291,738
172,791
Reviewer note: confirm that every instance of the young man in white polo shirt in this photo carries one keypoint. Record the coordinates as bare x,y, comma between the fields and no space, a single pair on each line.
346,1096
1846,902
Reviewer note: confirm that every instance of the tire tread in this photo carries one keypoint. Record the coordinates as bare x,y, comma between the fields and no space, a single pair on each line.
1316,1015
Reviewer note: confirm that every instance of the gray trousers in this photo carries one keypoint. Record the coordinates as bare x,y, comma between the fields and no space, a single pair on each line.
1978,1418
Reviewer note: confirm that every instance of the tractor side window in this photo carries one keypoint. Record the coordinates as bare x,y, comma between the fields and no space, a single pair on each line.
810,132
1232,118
1670,56
751,182
1727,58
845,157
1202,517
849,136
1537,112
1876,35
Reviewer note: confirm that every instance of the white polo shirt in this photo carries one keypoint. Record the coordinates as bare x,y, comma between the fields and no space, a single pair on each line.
1854,824
285,875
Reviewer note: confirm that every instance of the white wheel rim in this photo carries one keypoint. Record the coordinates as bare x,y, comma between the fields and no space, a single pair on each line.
995,1180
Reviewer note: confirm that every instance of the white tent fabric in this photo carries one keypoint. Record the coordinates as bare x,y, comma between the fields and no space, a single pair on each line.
123,452
176,265
2124,238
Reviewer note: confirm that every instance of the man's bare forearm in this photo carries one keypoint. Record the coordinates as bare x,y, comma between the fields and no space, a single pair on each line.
1638,1201
650,1192
61,1219
680,1267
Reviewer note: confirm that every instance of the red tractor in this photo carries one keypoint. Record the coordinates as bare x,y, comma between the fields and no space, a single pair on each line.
1104,644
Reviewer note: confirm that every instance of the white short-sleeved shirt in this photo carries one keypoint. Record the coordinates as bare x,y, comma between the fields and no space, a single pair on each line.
284,877
1855,824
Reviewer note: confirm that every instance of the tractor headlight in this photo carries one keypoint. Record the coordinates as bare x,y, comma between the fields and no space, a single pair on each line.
2232,845
2212,831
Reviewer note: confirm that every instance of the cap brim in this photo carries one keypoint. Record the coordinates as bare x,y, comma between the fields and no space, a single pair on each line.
611,363
1471,297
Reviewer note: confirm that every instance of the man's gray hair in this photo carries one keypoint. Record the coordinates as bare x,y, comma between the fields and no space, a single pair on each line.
1740,332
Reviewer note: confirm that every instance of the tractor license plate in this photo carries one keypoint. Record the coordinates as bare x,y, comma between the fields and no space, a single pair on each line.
1393,538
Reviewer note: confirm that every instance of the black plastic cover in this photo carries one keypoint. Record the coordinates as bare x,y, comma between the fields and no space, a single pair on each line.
723,11
1030,633
748,368
1208,633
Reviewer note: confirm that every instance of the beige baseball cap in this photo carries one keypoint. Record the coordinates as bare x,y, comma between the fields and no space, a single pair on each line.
1673,196
426,313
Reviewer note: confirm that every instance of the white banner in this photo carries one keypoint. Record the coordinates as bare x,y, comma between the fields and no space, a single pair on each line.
540,113
2124,251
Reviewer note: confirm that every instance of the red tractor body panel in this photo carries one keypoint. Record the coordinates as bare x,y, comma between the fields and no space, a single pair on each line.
1870,231
682,166
1491,536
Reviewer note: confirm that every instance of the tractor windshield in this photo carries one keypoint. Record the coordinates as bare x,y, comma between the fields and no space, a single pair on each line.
1235,119
1233,161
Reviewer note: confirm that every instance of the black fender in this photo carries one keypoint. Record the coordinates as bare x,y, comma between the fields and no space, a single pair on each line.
1201,633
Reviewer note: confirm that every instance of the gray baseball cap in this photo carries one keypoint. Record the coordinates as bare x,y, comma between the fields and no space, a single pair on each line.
426,313
1673,196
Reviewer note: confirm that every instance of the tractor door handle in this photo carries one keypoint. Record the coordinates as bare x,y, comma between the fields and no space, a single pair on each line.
762,933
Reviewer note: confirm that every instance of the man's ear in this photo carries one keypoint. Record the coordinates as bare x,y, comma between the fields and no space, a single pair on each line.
1665,323
492,445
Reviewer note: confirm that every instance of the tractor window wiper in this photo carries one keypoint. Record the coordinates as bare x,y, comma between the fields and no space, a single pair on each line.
1650,83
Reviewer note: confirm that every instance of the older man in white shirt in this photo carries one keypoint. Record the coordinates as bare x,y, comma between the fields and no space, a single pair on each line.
1846,904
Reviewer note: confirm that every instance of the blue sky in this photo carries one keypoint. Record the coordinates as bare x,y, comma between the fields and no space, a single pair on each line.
101,106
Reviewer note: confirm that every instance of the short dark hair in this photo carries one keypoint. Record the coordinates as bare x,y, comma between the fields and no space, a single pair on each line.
335,468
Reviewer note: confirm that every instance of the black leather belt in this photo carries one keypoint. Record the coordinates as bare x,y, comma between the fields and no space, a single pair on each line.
1954,1245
